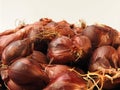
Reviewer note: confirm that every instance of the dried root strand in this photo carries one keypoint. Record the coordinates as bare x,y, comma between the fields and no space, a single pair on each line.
19,22
46,35
97,79
94,79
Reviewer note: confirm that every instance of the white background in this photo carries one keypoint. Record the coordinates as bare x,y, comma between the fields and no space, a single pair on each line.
92,11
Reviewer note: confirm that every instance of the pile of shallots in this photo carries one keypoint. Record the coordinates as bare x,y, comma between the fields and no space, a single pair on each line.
49,55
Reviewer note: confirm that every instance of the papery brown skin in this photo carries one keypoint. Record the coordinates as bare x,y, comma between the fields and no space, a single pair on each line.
82,49
100,35
9,37
18,35
27,72
40,41
60,50
114,35
39,57
69,80
82,45
64,28
17,49
10,31
48,32
54,71
52,30
105,59
13,86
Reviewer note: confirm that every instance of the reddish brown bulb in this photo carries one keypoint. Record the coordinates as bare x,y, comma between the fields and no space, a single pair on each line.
26,72
105,59
69,80
60,50
100,35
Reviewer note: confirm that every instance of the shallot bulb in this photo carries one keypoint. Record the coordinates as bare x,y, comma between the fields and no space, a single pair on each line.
64,28
54,71
100,35
16,49
7,39
20,33
105,60
13,86
39,57
25,72
60,50
10,31
64,50
82,45
69,80
82,51
104,57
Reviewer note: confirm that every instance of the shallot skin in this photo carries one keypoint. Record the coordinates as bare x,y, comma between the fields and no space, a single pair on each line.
39,57
67,81
82,50
25,72
82,46
55,70
10,31
63,28
60,50
13,86
16,49
105,59
101,35
82,42
7,39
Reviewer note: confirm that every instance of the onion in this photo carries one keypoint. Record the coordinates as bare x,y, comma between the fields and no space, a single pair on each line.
69,80
60,50
39,57
10,31
82,45
13,86
19,48
7,39
26,72
105,60
64,28
82,51
104,57
100,35
54,71
64,50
